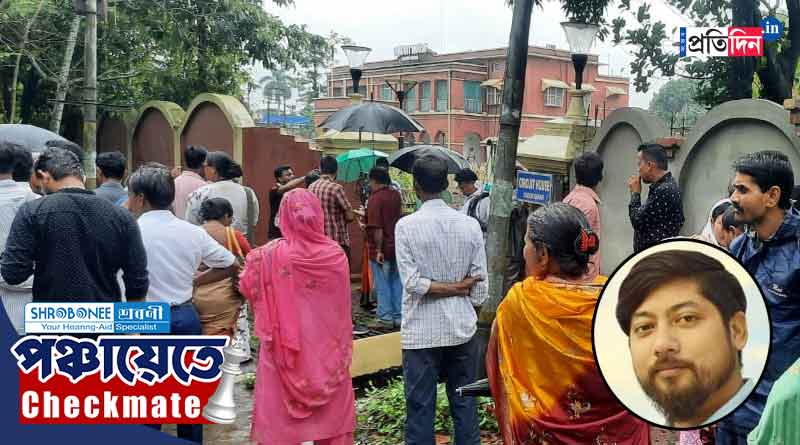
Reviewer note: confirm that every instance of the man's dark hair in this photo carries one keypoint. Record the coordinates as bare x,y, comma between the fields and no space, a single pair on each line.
559,228
588,169
59,163
195,155
431,174
466,175
226,167
382,162
155,183
8,157
66,145
769,168
380,175
655,153
280,170
215,209
328,165
112,164
23,164
716,284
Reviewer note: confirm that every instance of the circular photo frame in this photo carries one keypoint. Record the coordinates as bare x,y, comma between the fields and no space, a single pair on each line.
681,334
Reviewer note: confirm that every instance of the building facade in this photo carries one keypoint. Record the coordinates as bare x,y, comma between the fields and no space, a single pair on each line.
457,96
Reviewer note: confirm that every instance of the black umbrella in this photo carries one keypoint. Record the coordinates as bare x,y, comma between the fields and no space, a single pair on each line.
372,117
28,136
404,159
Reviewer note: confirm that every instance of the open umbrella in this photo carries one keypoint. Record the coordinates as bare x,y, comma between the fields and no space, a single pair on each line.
31,137
355,162
404,159
372,117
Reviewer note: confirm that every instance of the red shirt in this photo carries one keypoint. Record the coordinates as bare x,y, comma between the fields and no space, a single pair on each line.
384,209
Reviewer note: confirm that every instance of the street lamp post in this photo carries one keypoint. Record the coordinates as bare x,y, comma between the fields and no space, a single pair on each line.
401,96
580,37
356,55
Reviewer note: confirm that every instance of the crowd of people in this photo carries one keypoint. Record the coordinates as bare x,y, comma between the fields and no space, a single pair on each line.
186,237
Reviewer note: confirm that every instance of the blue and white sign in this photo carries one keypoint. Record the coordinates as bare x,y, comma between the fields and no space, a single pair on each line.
97,318
772,27
534,188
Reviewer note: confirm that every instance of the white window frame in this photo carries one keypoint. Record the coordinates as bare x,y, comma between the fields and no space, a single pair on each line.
554,97
494,96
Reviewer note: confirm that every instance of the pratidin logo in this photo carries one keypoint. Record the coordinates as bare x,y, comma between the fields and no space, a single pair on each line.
729,41
722,42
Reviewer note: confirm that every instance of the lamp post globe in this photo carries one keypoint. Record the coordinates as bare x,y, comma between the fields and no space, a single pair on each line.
580,37
356,55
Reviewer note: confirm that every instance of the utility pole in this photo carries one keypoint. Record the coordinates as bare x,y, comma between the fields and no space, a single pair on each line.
504,161
90,95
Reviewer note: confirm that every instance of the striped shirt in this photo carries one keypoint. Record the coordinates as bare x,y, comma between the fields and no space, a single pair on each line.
14,298
439,244
335,206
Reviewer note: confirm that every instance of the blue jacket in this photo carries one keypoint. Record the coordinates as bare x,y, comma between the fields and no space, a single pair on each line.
775,264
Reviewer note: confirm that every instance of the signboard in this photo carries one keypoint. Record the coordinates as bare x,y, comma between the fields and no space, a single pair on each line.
534,187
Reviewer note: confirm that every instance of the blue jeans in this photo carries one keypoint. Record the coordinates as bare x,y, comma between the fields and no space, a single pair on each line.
389,290
421,370
184,320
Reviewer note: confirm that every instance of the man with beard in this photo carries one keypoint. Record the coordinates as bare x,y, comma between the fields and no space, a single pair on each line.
684,315
771,253
661,216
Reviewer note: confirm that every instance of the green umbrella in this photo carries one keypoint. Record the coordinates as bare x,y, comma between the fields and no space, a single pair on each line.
355,162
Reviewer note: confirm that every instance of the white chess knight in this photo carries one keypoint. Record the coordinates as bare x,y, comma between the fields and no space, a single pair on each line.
221,407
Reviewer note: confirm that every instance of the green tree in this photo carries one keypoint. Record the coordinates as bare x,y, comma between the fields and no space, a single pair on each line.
147,49
721,79
676,100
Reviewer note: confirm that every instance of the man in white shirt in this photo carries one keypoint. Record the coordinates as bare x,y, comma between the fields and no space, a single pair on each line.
175,249
442,263
14,162
476,202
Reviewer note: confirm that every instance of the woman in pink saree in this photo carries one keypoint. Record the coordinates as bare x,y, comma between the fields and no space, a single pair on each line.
299,288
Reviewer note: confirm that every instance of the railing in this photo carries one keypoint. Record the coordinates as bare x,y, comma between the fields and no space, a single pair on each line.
472,105
425,105
441,105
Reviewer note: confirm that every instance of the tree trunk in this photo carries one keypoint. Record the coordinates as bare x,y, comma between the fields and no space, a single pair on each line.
5,93
202,55
504,161
32,85
22,46
63,76
777,77
742,69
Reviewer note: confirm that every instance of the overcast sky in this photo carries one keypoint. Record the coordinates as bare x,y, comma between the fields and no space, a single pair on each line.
452,26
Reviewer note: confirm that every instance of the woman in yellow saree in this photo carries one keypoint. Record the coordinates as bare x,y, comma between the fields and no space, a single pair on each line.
540,363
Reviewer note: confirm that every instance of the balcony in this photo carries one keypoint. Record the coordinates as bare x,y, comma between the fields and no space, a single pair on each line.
425,105
441,105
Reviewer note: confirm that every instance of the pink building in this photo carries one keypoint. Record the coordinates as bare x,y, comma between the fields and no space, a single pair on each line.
457,96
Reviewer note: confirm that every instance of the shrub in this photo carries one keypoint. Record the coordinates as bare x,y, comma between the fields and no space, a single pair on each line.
381,414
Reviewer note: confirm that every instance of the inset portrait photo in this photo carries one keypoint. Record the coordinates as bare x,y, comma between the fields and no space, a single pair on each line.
681,334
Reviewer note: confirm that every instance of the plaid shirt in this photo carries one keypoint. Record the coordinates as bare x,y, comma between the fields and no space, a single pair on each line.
334,206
